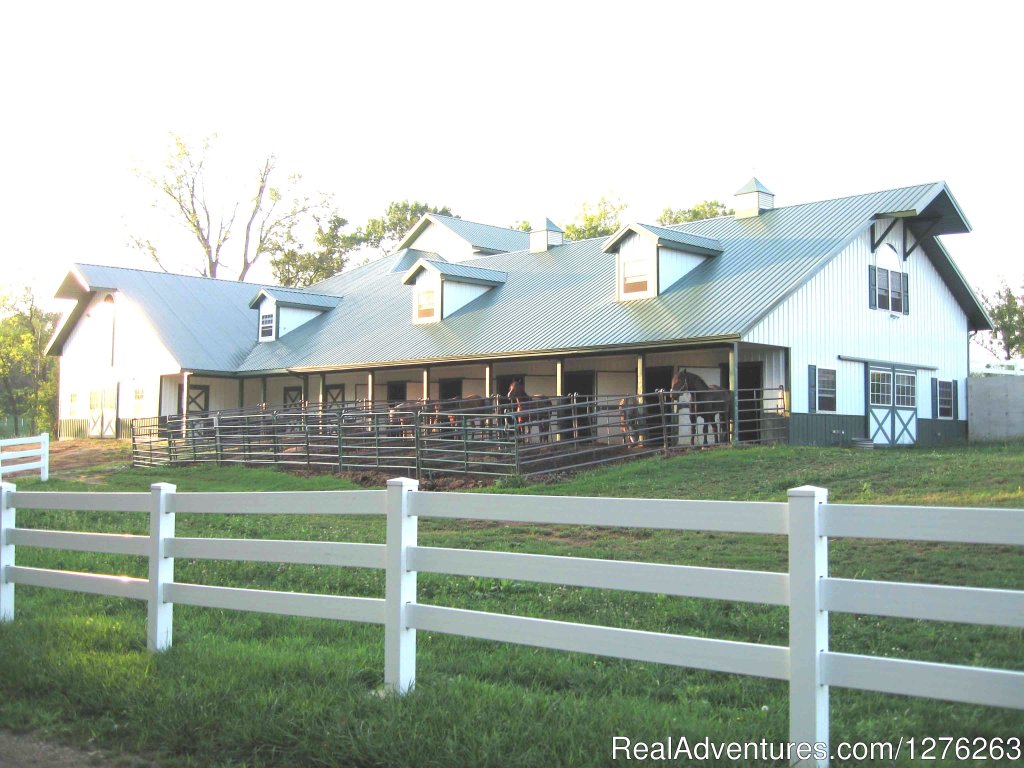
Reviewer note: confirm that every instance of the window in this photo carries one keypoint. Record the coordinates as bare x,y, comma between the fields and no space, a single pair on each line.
634,275
945,398
906,390
826,389
889,290
267,326
425,303
881,388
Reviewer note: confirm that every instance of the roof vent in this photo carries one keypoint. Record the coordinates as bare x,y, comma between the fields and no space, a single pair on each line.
542,239
752,199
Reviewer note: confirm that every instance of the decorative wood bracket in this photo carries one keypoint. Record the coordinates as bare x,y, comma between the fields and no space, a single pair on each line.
875,242
931,224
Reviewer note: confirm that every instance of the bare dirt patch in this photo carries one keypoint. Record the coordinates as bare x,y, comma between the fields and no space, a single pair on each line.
25,751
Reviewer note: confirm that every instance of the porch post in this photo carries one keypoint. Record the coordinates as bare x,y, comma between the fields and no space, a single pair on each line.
322,394
734,377
184,404
639,374
559,388
426,384
488,379
263,390
369,389
305,387
241,392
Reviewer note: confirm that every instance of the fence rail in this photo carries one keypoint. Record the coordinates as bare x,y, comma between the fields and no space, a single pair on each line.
38,457
807,520
475,436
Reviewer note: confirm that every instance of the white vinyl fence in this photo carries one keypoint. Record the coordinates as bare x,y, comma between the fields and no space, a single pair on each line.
807,520
38,457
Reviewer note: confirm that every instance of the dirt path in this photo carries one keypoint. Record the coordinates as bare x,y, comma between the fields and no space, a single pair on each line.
69,455
24,751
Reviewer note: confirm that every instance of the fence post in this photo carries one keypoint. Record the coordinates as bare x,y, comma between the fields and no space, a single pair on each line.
400,587
160,622
44,456
808,622
6,552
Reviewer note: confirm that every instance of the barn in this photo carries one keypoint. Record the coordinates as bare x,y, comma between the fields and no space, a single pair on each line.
839,320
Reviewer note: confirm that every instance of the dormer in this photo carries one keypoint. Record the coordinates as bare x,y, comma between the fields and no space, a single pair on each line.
650,259
456,240
441,289
282,310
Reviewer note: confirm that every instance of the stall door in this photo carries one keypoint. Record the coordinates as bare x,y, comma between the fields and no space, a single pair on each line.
892,406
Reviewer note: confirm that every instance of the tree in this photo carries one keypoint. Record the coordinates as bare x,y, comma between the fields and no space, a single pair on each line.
297,268
522,226
28,377
399,218
1006,309
600,221
708,209
269,223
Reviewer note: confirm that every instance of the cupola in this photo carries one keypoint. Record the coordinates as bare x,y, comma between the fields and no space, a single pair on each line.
753,199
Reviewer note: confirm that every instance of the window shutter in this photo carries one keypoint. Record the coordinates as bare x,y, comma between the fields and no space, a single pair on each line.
872,288
956,402
935,398
906,293
812,389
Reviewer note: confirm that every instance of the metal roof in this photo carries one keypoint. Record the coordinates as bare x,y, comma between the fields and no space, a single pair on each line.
463,272
753,186
563,299
483,237
295,297
706,246
205,324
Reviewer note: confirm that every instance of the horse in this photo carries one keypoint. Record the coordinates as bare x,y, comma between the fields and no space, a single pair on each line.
473,409
712,404
402,417
629,417
530,410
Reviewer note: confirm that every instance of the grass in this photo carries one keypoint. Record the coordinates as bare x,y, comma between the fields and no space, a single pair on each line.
243,689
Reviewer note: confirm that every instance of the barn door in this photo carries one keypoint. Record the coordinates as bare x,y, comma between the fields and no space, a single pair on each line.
103,412
892,406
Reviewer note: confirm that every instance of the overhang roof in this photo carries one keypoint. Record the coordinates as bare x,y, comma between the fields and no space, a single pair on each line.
295,297
670,238
463,273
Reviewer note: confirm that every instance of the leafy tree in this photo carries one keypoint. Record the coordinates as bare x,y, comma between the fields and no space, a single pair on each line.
598,221
399,218
708,209
299,268
522,226
1006,309
269,219
28,377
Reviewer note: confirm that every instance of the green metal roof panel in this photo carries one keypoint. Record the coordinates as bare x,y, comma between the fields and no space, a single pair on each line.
753,186
467,272
564,298
485,236
205,324
684,239
295,297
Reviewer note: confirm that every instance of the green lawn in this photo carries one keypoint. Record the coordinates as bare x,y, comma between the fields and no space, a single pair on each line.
244,689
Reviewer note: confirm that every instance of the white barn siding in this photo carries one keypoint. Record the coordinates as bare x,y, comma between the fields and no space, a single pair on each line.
642,250
829,316
456,295
291,318
673,265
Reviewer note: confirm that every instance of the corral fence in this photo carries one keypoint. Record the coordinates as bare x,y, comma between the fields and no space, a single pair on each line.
470,436
807,520
23,459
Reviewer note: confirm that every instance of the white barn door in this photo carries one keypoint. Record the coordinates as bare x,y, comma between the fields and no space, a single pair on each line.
892,405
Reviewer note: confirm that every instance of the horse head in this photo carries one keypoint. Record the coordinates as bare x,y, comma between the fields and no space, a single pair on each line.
517,391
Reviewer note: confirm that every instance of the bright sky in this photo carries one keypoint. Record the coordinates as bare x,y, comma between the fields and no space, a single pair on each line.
505,111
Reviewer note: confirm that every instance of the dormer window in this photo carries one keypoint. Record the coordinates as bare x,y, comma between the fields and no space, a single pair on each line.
635,275
425,303
267,326
888,286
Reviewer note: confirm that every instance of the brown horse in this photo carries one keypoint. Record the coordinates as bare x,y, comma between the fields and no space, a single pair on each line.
529,411
712,404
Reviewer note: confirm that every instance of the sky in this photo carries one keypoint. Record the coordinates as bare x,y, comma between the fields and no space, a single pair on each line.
502,111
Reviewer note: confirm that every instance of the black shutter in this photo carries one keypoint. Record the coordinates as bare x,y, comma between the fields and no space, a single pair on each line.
812,389
906,293
872,288
935,398
956,402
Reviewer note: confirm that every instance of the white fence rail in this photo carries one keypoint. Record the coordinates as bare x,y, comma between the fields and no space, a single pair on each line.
38,457
807,520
